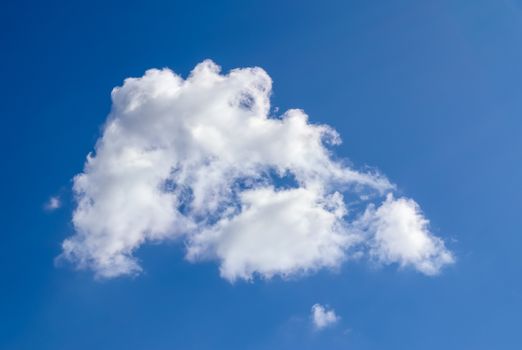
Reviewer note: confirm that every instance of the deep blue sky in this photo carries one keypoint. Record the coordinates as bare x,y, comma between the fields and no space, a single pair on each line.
430,92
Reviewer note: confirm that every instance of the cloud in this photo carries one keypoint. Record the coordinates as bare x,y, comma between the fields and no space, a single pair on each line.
53,203
277,232
322,317
399,234
204,161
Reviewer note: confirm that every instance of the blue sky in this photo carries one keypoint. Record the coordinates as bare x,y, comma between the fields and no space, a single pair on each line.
429,93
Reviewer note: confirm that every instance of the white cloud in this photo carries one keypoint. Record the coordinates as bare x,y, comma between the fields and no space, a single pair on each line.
398,233
53,203
203,160
277,232
323,317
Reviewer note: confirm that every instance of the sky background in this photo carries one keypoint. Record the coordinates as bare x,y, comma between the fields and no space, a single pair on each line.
429,92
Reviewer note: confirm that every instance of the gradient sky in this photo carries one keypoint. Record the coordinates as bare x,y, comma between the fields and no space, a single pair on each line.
429,92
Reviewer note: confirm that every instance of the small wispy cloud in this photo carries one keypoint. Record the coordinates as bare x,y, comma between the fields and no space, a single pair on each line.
53,203
323,317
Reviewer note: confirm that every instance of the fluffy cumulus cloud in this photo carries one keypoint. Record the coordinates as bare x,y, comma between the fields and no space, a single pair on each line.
398,232
323,317
203,160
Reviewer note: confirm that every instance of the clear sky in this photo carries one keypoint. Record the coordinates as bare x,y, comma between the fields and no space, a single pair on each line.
427,92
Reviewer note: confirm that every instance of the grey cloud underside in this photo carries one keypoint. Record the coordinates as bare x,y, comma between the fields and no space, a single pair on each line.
201,160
